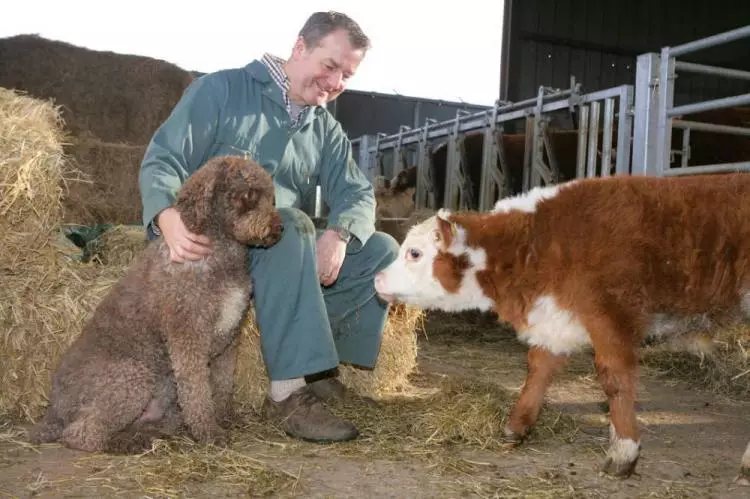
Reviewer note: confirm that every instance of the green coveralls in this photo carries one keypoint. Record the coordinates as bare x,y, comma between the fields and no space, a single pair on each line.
305,328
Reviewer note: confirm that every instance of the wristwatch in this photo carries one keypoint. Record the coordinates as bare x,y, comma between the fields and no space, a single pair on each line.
343,233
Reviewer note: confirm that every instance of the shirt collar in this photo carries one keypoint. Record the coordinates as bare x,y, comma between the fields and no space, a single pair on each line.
275,67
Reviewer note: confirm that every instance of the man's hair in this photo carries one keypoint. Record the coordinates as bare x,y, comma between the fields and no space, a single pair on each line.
321,24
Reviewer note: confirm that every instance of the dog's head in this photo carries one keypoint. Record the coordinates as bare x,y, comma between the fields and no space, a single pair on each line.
231,197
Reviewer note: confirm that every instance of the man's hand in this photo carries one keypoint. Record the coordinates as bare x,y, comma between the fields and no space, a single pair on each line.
183,244
331,252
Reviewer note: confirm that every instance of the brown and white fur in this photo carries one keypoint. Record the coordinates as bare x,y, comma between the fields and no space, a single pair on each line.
159,350
602,263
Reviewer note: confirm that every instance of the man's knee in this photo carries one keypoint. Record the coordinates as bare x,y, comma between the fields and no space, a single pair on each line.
290,251
382,248
296,223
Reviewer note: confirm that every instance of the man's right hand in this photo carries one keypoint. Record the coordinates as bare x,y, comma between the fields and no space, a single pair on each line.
183,244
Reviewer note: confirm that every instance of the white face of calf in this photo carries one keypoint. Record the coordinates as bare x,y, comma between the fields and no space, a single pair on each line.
435,269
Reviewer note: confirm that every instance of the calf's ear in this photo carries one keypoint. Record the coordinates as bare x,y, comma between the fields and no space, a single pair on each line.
446,229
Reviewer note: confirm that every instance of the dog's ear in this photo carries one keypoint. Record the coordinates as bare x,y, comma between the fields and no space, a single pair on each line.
194,201
249,199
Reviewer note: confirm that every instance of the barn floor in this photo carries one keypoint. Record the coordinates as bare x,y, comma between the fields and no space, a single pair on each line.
692,443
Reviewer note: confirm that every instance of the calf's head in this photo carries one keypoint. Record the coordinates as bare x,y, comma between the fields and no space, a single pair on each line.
436,269
231,197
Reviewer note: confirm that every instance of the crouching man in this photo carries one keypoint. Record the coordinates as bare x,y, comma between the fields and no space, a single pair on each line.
314,298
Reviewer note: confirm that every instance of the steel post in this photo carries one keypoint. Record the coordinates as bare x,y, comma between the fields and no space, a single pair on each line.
645,119
583,134
624,131
593,139
664,105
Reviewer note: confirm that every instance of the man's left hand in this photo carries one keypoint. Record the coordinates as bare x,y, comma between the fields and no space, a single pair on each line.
331,252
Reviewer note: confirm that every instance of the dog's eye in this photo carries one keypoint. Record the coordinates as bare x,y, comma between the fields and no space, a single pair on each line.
413,254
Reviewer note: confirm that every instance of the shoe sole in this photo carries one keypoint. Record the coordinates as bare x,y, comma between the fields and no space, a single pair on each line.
323,440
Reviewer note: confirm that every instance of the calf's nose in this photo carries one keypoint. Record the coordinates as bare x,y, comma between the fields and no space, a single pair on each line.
379,280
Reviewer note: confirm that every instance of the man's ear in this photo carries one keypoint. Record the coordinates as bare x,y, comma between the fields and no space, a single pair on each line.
446,229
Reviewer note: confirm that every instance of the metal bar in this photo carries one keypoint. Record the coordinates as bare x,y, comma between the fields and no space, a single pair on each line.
378,162
711,127
363,156
425,181
583,133
709,105
609,118
398,153
685,148
712,70
489,162
507,112
711,41
593,139
663,132
645,121
500,174
624,131
743,166
603,94
528,148
467,123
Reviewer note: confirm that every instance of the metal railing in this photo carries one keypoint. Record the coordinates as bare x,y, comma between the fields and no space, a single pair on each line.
616,104
656,115
642,117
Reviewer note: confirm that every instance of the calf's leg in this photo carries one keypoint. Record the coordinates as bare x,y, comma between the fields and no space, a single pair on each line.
616,368
542,366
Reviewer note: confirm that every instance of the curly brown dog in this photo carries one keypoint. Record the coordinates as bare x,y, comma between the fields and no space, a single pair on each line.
159,351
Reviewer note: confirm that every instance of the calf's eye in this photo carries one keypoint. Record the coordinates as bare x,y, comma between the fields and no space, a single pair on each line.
413,254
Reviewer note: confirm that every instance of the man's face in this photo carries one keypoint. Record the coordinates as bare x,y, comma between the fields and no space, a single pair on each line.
319,74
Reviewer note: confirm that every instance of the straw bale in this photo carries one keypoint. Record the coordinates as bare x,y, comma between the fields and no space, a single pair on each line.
108,190
47,296
119,245
33,169
396,361
115,97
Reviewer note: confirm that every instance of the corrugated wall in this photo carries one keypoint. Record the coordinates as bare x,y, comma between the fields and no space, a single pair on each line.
363,113
598,41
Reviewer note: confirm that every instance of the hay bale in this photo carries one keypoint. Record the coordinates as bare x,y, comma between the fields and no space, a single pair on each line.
107,191
33,169
115,97
43,298
119,245
396,361
46,296
397,358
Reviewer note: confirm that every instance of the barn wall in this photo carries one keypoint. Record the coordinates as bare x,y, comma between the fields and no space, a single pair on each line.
598,41
363,113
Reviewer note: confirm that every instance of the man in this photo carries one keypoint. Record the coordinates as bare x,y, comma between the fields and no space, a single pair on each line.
272,111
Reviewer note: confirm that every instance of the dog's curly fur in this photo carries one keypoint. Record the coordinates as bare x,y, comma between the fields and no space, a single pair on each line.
158,353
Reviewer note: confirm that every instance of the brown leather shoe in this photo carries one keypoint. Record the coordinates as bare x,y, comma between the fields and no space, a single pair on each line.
328,389
303,416
331,389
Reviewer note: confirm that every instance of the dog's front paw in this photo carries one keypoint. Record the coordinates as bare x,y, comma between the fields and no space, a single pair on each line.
215,435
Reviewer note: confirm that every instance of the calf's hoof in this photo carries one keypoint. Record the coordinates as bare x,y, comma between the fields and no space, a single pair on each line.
622,456
512,438
743,479
618,469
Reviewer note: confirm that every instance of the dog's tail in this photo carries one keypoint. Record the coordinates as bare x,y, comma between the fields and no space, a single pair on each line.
49,429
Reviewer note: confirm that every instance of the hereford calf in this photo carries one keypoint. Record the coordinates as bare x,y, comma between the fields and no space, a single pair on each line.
600,262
